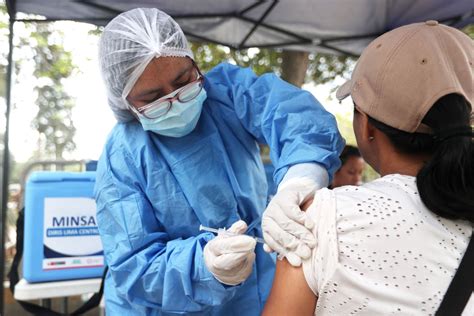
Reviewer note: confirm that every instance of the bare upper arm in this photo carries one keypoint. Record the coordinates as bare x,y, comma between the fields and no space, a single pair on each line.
290,294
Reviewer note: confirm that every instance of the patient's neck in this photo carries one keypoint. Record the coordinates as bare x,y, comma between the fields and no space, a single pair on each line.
393,161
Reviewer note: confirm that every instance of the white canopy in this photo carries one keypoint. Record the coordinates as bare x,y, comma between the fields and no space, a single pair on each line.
335,26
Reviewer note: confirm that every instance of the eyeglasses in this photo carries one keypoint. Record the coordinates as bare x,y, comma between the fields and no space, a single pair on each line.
162,105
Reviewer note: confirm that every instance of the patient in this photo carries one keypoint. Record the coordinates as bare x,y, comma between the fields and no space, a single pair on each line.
393,245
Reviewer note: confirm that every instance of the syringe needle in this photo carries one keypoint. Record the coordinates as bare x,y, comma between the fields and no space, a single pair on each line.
217,231
208,229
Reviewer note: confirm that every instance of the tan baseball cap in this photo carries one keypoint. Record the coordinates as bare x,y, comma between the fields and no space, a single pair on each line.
402,73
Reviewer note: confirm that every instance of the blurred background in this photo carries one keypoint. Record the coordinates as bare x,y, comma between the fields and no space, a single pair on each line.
59,109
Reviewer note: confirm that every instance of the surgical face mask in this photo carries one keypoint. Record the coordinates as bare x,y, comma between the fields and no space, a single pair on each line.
180,120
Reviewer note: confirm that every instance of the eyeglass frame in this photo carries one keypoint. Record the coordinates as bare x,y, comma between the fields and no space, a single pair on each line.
170,100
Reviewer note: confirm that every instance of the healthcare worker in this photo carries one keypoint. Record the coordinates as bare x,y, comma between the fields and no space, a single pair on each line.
185,153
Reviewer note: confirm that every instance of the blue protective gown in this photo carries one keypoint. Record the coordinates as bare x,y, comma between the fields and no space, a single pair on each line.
153,192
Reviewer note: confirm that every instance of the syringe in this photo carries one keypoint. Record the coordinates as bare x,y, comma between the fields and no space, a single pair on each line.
220,231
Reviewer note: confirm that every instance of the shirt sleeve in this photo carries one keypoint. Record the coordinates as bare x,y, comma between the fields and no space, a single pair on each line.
319,268
290,120
147,267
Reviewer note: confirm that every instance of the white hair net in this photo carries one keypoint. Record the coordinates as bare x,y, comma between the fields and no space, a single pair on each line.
129,42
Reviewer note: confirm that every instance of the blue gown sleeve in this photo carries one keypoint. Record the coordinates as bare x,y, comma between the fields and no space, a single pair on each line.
290,120
148,268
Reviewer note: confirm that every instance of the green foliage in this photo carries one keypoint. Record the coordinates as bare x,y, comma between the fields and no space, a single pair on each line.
97,31
325,68
208,56
3,56
469,30
4,15
322,67
260,60
52,60
53,64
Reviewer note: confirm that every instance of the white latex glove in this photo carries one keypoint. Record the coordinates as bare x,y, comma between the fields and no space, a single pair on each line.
230,258
286,228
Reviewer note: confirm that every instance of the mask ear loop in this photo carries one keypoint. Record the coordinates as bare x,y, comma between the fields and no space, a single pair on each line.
131,109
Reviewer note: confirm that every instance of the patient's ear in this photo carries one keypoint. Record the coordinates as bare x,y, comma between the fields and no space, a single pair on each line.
363,130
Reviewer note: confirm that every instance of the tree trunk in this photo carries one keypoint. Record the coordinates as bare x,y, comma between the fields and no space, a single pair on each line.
294,66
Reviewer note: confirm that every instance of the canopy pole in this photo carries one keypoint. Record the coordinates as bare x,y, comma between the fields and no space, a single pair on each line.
6,162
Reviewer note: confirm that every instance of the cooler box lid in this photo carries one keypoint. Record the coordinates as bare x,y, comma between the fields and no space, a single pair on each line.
61,176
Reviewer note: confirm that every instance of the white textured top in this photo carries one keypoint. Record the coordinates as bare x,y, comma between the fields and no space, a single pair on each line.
381,251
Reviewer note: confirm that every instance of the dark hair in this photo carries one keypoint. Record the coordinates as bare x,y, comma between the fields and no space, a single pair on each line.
446,182
347,152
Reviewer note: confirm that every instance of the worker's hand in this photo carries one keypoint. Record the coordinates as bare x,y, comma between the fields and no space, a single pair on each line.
286,228
230,258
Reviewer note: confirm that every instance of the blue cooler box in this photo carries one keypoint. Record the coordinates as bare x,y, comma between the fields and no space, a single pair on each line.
61,240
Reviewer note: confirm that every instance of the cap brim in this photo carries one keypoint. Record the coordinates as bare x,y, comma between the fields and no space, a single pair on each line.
344,91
